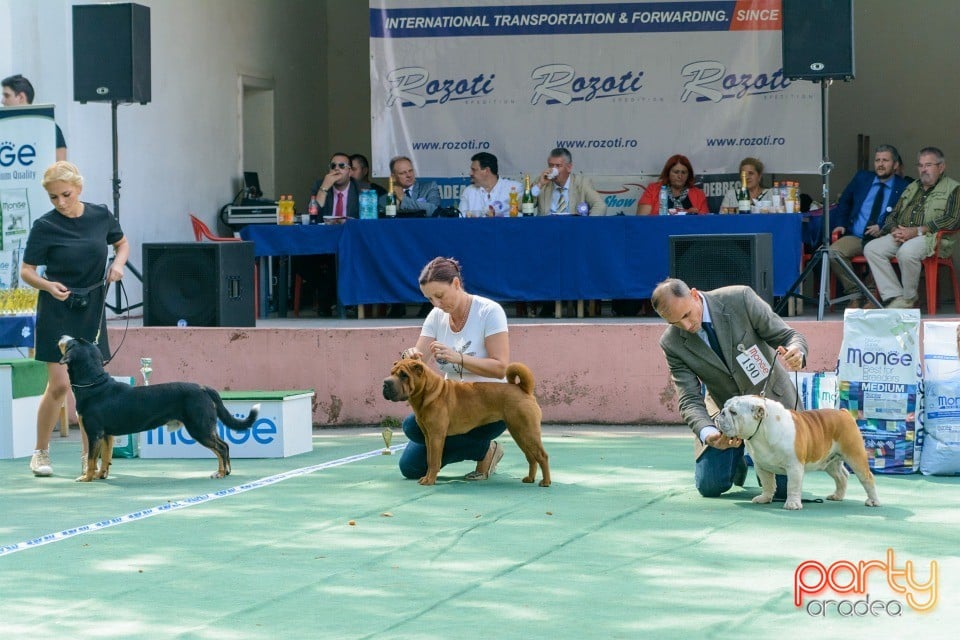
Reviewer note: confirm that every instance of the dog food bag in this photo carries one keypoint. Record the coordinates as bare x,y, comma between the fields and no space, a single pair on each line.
817,390
941,396
879,380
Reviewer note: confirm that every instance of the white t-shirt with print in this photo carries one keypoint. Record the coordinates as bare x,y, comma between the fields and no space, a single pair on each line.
486,318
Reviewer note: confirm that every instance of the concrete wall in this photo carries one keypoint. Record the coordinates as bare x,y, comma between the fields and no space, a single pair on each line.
181,152
608,373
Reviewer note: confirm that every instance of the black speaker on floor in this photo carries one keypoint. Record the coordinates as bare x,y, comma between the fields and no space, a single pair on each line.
111,53
204,284
818,39
710,261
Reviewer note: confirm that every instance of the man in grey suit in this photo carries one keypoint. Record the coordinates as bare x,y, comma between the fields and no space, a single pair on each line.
559,190
412,195
717,338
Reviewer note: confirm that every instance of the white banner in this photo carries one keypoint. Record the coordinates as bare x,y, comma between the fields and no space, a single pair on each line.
27,148
622,85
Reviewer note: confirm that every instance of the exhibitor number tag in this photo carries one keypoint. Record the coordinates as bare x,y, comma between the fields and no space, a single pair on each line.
754,364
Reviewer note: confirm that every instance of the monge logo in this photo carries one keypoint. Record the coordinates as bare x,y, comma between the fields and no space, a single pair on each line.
813,578
412,87
10,153
560,84
708,80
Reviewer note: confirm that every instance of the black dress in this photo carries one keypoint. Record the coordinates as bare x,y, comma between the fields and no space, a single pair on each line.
74,251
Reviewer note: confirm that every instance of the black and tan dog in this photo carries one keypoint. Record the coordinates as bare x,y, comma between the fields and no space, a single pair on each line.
109,408
446,408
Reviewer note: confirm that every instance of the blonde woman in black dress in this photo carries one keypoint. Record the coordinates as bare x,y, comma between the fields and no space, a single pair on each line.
71,242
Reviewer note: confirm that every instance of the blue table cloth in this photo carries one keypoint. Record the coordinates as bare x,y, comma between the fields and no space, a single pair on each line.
540,258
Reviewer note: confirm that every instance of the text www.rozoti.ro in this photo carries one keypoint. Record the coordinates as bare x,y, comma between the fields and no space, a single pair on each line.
451,145
748,141
599,143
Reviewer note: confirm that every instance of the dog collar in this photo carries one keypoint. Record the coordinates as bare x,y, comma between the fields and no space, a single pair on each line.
755,430
101,379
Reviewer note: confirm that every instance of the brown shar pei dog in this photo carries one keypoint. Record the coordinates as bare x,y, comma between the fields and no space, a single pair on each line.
448,408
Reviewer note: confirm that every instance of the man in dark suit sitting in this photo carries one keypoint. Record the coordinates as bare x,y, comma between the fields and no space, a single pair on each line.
338,196
862,209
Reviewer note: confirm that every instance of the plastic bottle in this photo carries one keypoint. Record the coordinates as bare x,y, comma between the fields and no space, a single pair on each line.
527,203
368,204
291,210
390,210
664,201
314,210
281,207
514,202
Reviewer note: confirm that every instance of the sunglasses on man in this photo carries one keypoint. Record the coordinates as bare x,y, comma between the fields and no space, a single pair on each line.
339,165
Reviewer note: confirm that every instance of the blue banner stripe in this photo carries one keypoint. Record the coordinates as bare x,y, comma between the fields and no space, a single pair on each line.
534,20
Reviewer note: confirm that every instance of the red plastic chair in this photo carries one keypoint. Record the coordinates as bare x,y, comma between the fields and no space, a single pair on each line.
931,271
201,231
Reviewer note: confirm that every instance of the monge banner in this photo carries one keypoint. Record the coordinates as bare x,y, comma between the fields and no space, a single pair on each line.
27,148
622,85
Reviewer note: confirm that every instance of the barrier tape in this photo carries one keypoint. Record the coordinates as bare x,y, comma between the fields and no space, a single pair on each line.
40,541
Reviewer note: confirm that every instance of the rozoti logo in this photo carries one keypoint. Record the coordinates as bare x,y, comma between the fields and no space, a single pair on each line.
560,84
844,577
10,153
708,80
412,87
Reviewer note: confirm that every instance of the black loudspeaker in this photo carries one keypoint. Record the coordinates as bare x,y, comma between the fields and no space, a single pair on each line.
818,39
710,261
207,284
111,53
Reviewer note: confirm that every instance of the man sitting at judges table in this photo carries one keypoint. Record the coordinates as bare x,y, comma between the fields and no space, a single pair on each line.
715,338
926,206
411,194
360,172
488,194
559,190
682,196
862,210
753,169
338,195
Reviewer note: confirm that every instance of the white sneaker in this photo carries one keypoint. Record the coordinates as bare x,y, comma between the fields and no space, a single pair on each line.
40,463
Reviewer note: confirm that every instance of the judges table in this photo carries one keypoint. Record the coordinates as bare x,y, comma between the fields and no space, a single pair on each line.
540,258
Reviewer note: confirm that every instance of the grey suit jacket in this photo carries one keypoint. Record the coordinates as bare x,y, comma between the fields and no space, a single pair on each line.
581,190
424,195
741,319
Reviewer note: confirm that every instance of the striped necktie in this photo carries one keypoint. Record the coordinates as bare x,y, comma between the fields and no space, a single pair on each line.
562,202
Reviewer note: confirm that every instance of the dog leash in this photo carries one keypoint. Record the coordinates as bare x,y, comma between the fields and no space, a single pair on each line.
126,326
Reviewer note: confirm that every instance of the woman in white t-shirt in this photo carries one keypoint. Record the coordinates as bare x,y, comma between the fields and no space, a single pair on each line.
466,335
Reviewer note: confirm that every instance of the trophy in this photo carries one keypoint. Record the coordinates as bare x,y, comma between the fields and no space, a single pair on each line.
387,437
146,370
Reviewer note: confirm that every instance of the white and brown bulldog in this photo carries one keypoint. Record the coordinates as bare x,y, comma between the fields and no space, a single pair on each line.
786,442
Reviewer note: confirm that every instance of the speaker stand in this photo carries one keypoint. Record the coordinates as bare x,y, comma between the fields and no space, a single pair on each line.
822,256
118,307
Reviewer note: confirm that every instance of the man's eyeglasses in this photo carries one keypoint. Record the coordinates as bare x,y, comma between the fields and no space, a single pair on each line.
339,165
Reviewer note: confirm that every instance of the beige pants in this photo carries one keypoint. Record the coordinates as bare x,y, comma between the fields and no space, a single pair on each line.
845,248
908,255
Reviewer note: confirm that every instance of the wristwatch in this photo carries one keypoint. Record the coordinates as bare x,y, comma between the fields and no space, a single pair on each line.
322,189
919,231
